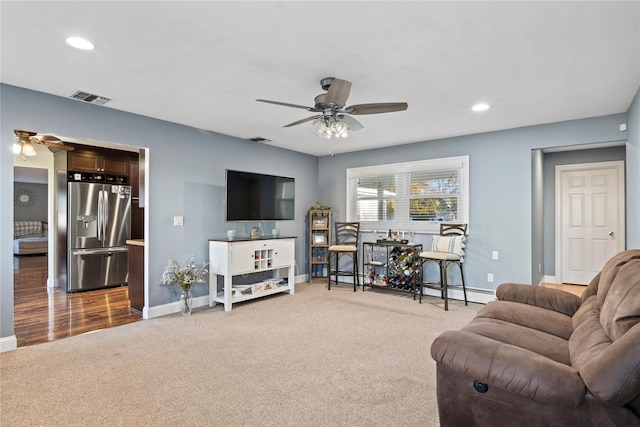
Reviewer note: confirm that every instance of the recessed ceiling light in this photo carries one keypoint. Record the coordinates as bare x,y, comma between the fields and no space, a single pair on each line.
480,107
79,43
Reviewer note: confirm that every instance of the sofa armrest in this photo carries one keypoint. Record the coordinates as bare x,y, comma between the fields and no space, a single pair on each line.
551,299
510,368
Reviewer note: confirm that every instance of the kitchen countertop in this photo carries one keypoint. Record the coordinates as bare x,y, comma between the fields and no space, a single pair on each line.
136,242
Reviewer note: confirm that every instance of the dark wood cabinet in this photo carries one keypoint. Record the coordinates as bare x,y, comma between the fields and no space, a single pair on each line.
95,162
137,212
136,275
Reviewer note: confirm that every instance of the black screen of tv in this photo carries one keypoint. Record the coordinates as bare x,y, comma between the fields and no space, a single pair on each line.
259,197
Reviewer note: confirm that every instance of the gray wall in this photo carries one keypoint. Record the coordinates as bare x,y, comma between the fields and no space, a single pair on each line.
501,217
39,209
551,160
180,182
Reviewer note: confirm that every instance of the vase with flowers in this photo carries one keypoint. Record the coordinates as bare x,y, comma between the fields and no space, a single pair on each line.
185,277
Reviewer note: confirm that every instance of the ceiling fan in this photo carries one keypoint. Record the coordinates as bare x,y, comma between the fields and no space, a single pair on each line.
335,118
25,140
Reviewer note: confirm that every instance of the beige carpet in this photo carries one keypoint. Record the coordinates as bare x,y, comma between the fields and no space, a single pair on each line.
316,358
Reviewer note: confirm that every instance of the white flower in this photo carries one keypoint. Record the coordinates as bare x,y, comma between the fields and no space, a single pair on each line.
184,276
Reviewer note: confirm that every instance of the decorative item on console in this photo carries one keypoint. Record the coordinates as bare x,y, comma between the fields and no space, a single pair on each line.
320,206
397,236
185,277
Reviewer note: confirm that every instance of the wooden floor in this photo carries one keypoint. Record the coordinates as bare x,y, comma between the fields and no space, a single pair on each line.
574,289
44,314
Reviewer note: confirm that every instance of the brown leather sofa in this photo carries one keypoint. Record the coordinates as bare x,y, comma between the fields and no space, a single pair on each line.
543,357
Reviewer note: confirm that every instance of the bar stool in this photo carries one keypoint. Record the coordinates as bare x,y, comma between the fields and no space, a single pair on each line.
446,249
347,235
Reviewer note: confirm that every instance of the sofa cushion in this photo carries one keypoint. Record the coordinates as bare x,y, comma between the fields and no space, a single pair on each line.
28,228
604,346
620,311
586,310
530,316
551,299
509,368
610,271
613,376
551,346
588,340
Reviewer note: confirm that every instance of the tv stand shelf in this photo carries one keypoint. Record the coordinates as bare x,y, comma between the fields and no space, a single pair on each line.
236,257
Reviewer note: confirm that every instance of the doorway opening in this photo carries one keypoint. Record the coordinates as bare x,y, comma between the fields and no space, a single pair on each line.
42,310
545,263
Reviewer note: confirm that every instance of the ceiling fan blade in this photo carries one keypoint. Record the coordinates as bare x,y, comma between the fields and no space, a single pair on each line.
49,138
308,119
286,104
58,145
338,92
51,141
381,107
354,125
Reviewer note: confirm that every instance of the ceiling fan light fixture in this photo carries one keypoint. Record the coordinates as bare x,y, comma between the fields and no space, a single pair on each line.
28,149
330,127
339,129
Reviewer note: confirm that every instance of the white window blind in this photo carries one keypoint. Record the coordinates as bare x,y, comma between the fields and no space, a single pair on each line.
285,194
412,196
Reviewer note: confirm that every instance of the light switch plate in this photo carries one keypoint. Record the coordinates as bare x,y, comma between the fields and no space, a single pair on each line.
178,221
494,255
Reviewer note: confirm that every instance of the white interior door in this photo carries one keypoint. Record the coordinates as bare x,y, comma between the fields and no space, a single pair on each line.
591,206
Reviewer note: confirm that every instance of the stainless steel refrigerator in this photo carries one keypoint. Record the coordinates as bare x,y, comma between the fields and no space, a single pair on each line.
98,226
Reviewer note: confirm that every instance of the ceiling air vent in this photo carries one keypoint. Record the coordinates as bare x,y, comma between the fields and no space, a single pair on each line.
259,139
90,98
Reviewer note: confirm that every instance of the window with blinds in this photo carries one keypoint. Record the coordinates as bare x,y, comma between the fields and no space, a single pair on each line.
412,196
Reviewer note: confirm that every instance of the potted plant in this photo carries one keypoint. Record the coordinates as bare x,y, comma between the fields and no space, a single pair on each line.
184,277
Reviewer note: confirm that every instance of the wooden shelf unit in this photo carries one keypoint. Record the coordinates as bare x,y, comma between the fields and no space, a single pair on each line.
319,225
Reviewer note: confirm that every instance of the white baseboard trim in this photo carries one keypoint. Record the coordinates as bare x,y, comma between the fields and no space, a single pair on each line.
481,296
549,279
8,343
174,307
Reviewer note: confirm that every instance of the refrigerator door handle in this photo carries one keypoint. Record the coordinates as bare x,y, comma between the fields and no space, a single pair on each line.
99,222
99,251
105,214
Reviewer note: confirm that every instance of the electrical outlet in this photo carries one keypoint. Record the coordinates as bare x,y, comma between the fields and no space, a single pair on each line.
178,221
490,278
494,255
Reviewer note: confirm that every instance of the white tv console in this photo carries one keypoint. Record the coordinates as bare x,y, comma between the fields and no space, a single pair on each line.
240,256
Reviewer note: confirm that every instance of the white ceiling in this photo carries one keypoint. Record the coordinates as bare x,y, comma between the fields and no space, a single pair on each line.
204,63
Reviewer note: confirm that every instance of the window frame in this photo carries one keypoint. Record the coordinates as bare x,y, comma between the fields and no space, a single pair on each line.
405,169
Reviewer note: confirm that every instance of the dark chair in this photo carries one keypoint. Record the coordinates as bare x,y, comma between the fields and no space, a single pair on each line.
446,249
347,235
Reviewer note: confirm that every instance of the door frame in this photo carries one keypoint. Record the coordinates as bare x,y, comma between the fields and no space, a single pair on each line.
619,166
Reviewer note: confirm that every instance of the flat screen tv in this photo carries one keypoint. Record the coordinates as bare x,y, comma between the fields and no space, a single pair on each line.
258,197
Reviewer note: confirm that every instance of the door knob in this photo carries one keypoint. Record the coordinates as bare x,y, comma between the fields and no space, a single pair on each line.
612,234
